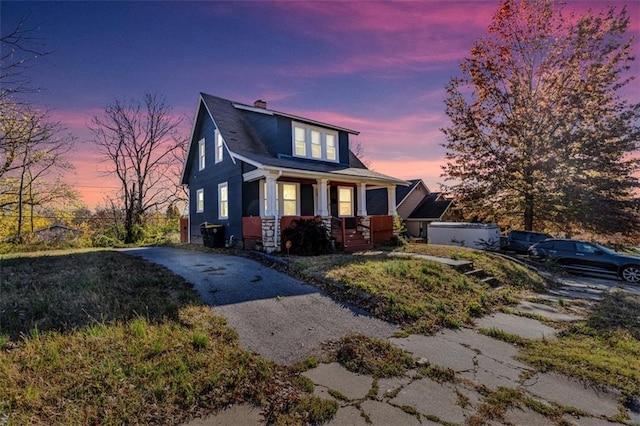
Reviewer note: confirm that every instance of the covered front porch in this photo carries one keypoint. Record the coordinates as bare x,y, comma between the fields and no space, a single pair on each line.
274,199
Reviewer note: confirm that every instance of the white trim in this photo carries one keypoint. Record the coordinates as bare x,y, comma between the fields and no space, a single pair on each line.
293,117
198,192
252,109
202,154
280,196
263,171
362,199
352,200
218,144
308,131
222,185
193,129
413,189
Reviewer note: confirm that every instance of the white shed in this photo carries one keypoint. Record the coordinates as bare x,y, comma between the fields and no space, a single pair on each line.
483,236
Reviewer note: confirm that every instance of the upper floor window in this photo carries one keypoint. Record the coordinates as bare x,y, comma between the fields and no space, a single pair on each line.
315,142
201,153
219,146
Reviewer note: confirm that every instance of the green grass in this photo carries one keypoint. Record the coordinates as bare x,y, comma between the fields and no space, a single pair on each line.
105,338
421,295
605,349
509,273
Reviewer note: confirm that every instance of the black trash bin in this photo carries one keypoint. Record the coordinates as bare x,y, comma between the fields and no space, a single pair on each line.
212,235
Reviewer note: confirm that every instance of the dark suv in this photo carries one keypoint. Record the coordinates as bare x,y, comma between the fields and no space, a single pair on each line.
520,241
584,257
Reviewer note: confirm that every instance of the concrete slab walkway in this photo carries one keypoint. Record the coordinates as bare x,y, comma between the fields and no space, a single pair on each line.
284,319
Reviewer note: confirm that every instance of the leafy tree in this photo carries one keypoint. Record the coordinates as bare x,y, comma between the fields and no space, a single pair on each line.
32,161
541,134
139,143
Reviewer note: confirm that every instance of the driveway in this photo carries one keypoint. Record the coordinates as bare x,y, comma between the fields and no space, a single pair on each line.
279,317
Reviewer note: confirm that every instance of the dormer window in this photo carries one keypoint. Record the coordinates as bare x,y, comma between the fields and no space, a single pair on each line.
315,142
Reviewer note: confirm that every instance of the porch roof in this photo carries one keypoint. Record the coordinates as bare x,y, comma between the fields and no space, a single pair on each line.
266,165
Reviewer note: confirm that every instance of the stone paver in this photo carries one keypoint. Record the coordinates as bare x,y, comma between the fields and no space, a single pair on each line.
336,377
431,398
526,417
587,421
514,324
438,350
241,414
386,386
349,415
545,311
381,413
570,392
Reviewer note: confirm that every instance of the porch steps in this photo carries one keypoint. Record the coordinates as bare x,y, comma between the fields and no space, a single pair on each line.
354,241
483,277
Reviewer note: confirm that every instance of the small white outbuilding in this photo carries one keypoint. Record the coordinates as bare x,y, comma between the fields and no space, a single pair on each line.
483,236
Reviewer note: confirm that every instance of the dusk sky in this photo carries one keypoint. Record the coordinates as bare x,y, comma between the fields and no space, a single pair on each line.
376,67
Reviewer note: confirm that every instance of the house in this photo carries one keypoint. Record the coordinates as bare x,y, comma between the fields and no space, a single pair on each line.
254,170
56,233
416,205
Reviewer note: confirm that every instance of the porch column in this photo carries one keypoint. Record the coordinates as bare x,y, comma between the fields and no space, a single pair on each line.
270,235
391,200
322,208
270,210
362,199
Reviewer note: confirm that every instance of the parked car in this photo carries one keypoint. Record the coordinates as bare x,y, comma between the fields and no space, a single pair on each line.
520,241
584,257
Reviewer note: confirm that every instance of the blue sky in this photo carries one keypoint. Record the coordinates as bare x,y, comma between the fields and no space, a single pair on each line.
376,67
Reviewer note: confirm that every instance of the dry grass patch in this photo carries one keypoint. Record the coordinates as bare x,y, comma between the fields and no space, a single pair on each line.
421,295
64,290
509,273
374,357
127,343
603,350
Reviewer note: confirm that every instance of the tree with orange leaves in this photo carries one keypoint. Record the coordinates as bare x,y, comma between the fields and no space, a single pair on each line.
542,135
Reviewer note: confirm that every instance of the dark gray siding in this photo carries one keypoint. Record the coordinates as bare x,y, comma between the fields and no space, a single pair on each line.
208,179
265,128
251,198
306,200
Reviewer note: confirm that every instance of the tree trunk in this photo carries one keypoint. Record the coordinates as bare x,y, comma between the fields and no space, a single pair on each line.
528,212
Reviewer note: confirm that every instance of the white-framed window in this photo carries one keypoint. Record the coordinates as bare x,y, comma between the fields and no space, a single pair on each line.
201,154
299,141
219,146
200,201
331,147
345,201
314,142
223,200
287,198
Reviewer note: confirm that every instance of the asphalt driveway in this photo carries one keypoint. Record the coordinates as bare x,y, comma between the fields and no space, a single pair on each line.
281,318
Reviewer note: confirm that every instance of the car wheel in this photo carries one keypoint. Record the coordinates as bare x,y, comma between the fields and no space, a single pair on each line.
631,274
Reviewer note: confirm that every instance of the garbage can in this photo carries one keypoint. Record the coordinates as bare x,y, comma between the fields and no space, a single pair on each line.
212,235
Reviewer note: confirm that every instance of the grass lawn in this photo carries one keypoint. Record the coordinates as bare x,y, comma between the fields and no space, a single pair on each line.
423,295
99,337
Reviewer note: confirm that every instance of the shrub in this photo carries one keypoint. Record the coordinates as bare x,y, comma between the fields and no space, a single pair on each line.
307,237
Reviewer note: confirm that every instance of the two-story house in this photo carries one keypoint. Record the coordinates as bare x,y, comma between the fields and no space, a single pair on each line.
253,170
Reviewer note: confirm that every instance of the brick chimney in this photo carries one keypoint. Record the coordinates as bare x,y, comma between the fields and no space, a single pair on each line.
260,104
